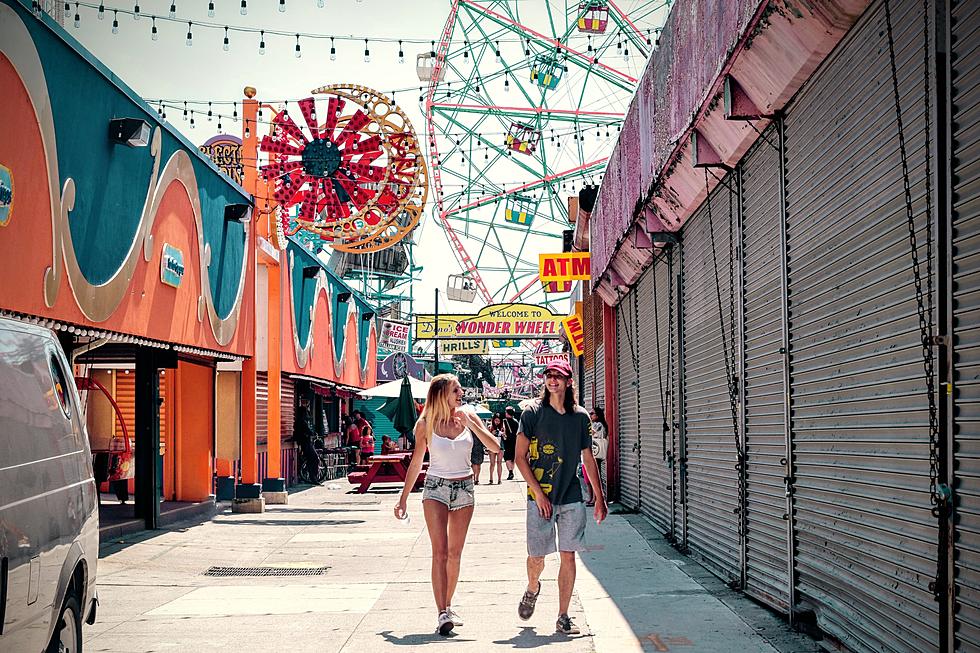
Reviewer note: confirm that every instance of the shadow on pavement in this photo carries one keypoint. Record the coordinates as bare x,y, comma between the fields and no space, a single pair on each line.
529,638
421,638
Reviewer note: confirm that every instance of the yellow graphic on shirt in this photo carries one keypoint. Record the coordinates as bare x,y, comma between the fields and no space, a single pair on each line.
545,476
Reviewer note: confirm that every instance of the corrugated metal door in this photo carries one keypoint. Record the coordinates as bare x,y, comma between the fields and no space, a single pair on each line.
287,411
654,318
629,472
865,540
599,365
712,481
261,408
966,317
588,392
766,549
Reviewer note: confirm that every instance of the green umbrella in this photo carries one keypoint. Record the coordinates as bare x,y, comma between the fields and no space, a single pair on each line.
401,409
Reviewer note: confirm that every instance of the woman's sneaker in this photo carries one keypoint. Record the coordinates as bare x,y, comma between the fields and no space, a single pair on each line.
566,626
526,607
457,620
445,623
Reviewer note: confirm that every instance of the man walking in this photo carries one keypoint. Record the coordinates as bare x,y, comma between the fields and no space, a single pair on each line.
554,438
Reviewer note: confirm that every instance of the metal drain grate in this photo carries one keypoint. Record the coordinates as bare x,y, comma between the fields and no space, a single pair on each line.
266,571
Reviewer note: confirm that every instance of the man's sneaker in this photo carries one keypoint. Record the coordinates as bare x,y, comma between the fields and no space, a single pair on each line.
445,623
510,476
566,626
526,607
457,620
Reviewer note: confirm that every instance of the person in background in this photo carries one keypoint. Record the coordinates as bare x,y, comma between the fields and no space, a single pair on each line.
303,435
388,445
600,443
367,445
477,456
447,431
496,458
352,439
510,440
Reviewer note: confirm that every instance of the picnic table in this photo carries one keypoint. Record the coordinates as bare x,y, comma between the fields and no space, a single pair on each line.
385,468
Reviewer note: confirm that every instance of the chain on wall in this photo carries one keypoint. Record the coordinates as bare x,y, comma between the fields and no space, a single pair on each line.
728,347
940,494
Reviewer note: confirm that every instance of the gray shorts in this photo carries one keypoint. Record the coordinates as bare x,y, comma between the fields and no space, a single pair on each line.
569,519
455,494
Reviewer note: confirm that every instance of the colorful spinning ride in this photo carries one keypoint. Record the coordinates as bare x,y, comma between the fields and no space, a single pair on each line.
523,106
356,179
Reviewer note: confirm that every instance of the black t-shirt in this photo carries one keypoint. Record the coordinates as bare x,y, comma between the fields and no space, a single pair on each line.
555,451
510,427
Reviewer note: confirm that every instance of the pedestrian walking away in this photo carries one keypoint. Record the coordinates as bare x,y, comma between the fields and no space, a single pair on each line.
554,438
510,440
448,432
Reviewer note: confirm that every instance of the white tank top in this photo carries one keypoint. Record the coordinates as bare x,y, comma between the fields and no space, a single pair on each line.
450,457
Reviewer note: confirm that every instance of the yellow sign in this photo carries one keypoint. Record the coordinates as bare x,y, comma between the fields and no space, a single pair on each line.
499,321
575,331
569,266
454,347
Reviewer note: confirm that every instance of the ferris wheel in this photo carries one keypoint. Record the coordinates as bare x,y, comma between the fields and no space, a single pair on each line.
524,104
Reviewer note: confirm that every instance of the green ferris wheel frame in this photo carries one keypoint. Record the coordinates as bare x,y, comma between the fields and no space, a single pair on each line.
467,127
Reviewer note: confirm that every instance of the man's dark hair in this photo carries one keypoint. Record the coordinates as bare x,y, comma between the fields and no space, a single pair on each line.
509,410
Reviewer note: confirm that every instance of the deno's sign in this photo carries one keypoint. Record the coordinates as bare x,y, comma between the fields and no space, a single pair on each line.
171,266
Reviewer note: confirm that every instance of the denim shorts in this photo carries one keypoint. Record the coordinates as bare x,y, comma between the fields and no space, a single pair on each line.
568,519
454,493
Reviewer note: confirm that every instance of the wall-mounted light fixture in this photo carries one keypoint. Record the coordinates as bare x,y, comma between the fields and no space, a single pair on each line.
367,317
310,271
343,297
133,132
238,213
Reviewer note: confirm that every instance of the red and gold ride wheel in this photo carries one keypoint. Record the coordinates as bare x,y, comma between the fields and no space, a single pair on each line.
356,178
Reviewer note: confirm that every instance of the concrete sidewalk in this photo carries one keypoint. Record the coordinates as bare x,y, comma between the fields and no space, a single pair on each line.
370,589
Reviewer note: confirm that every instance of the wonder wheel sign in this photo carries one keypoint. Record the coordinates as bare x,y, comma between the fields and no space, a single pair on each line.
355,177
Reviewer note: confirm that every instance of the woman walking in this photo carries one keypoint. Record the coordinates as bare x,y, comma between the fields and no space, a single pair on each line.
447,431
496,458
600,442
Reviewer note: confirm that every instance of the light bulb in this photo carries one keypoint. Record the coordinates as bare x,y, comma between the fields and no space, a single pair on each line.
211,9
319,4
173,10
115,24
101,11
226,45
190,37
299,52
136,12
282,6
153,31
244,10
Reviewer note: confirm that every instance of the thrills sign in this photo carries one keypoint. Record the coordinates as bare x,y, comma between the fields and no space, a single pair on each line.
458,347
498,321
569,266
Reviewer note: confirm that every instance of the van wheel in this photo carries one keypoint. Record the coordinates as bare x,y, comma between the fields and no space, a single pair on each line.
67,636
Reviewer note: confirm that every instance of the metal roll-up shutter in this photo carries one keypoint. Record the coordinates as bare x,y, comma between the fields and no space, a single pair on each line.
672,275
865,541
766,538
287,403
599,366
588,392
261,407
966,318
647,391
712,481
629,473
125,395
654,317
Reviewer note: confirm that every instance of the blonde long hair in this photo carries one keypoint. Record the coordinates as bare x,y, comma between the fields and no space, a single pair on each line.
437,408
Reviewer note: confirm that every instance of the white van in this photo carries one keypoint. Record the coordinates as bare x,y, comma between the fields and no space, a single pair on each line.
49,516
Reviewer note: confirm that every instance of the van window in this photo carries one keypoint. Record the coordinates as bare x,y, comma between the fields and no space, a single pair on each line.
60,384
